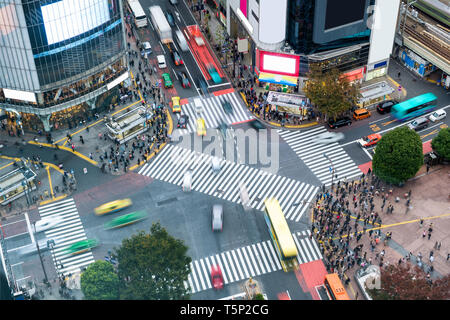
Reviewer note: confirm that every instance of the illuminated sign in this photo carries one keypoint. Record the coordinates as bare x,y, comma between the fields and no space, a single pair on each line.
279,63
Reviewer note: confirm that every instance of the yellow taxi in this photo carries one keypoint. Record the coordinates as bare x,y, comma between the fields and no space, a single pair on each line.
113,206
201,128
176,104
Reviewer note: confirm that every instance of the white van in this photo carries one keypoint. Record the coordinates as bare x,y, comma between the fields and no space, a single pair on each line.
181,40
161,61
198,105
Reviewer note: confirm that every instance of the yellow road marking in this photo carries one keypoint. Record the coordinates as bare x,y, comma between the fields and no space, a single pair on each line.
52,200
50,181
443,126
80,155
426,135
389,122
5,166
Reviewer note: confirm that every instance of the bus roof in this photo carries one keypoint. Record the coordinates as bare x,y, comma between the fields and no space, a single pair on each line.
281,227
136,8
337,287
159,18
423,98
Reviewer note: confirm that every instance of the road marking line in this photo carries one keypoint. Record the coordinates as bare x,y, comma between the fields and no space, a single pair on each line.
27,219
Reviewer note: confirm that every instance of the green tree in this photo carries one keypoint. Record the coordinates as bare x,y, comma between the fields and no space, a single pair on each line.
398,156
441,143
153,266
100,282
406,282
330,91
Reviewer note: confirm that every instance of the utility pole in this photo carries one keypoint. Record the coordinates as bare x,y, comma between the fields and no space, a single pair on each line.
40,256
406,13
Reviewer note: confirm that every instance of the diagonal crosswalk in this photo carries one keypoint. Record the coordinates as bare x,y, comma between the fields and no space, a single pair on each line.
249,261
68,232
213,112
311,153
173,162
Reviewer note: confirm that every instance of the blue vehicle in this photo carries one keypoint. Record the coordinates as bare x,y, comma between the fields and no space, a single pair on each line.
414,107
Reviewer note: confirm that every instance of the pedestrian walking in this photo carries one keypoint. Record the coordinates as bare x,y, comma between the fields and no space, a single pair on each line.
424,234
421,223
73,147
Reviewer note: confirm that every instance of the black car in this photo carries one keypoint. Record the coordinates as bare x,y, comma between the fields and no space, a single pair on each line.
184,79
226,105
176,58
170,19
182,121
203,85
344,121
385,106
223,127
257,125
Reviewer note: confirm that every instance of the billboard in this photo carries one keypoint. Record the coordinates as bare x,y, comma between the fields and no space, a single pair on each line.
279,63
66,19
269,13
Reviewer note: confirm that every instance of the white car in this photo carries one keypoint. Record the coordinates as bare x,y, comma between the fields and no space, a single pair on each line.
217,217
437,115
328,137
161,61
47,223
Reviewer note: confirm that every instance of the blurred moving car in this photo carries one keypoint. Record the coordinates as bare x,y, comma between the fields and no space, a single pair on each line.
201,128
170,18
213,73
437,115
81,246
223,127
226,105
217,217
339,122
176,104
328,137
385,106
182,121
47,223
184,80
257,125
176,58
125,220
113,206
215,164
216,277
203,85
167,81
44,245
370,140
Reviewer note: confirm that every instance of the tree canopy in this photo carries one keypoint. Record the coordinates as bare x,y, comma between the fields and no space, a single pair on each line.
441,143
330,91
398,156
406,282
100,282
153,266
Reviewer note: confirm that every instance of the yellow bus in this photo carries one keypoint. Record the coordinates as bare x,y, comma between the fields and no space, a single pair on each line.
281,235
335,288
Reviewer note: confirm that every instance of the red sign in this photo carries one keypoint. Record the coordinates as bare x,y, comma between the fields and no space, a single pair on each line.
279,63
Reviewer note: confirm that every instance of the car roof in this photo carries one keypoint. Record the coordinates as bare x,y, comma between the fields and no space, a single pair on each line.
374,135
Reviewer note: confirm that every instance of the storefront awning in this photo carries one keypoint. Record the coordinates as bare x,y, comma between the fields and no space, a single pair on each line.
279,79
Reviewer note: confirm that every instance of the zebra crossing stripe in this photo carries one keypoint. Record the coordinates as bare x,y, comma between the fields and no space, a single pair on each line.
233,254
226,269
300,251
194,276
235,276
243,262
259,264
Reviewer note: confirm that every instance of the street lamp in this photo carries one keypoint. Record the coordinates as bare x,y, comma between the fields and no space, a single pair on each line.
40,256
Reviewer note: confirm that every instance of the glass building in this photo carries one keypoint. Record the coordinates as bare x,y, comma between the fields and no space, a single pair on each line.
57,57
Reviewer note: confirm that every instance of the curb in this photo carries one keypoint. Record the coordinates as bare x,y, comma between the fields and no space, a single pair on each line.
80,155
53,200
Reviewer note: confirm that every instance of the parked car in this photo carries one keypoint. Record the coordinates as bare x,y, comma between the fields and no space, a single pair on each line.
419,123
217,217
216,277
360,114
339,122
328,137
437,115
370,140
184,79
385,106
183,121
170,18
226,105
167,81
176,58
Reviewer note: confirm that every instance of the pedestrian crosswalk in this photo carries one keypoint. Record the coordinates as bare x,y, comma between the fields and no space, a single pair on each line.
64,234
312,154
174,161
249,261
213,112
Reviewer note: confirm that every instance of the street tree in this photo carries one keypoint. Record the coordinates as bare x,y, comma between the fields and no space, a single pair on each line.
398,156
407,282
330,91
100,282
153,266
441,143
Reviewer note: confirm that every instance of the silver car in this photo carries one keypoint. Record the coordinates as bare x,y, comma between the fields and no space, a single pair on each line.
217,217
47,223
328,137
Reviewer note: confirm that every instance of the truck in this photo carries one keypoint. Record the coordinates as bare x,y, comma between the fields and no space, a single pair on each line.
161,25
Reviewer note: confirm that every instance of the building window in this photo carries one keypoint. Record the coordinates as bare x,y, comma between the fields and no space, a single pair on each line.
254,16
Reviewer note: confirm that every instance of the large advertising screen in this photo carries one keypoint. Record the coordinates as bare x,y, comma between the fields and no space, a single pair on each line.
279,63
68,18
336,16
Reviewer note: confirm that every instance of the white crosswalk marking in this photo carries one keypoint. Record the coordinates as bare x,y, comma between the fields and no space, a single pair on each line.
69,231
292,195
213,112
248,261
311,153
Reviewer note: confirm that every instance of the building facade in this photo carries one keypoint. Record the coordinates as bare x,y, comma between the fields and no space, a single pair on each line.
59,59
285,37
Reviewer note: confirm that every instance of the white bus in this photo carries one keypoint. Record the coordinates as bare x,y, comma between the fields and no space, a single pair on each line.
139,17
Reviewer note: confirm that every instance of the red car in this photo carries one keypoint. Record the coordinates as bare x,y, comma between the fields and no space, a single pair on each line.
216,277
